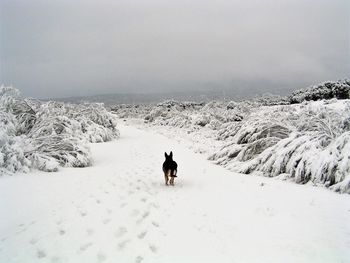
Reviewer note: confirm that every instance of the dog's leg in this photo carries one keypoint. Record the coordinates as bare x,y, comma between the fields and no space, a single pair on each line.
173,177
166,178
169,177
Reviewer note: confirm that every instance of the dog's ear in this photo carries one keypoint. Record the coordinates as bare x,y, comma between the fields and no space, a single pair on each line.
165,155
171,154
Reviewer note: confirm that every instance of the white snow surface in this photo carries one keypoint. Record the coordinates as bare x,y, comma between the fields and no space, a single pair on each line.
119,210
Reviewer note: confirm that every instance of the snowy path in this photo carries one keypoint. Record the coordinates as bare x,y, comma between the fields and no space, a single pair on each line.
120,211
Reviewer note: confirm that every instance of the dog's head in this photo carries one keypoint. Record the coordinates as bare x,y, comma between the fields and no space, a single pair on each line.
168,157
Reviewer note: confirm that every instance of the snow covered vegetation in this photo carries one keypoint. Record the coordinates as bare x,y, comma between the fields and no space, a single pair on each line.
325,90
46,135
304,137
304,142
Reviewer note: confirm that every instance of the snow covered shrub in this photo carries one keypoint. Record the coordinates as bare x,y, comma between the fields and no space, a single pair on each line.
67,151
132,111
12,147
12,154
51,134
8,98
308,142
86,121
326,90
12,103
44,162
202,120
173,113
55,125
271,100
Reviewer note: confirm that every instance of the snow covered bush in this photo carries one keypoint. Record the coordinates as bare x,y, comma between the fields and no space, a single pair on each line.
173,113
326,90
12,147
91,122
47,135
132,110
67,151
305,142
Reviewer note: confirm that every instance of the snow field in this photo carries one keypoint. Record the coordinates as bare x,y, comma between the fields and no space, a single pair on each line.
119,210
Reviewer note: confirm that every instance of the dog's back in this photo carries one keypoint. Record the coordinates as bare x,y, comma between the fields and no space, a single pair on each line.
170,166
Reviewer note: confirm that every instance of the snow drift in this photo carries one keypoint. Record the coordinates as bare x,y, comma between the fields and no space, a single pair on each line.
46,135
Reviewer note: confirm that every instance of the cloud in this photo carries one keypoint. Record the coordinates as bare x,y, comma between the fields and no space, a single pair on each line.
68,48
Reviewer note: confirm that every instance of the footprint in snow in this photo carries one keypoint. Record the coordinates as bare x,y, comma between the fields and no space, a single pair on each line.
33,241
143,217
122,244
106,221
40,253
89,231
85,246
142,235
155,224
156,206
138,259
56,260
21,231
120,232
153,248
101,257
145,214
82,214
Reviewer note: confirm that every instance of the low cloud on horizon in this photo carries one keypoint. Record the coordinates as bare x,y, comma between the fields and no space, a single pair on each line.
80,48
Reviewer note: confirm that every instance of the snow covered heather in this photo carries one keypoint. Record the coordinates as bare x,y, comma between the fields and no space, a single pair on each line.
305,142
46,135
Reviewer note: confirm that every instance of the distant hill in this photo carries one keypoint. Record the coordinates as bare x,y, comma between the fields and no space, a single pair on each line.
155,97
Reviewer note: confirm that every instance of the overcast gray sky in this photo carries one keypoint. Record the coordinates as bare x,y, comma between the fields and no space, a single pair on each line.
62,48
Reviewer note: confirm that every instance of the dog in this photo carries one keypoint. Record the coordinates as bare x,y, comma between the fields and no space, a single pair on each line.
169,169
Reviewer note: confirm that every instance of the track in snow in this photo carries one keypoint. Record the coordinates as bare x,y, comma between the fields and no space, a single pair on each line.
119,210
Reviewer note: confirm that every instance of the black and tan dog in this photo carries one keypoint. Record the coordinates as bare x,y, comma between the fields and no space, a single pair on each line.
169,169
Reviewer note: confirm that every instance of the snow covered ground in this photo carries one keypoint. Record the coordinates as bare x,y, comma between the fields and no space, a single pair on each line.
119,210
